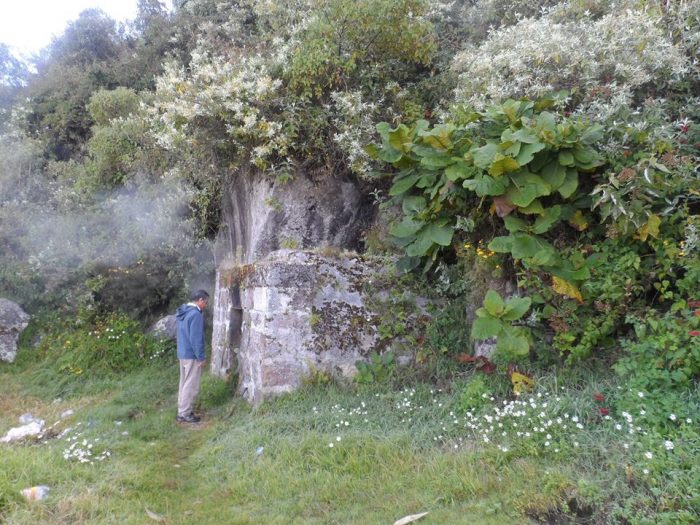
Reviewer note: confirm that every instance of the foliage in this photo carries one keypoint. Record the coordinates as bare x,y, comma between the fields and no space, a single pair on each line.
105,346
602,58
516,157
379,369
495,318
665,356
476,394
106,105
343,36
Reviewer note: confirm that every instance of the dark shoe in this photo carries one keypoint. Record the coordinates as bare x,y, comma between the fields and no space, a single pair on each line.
189,418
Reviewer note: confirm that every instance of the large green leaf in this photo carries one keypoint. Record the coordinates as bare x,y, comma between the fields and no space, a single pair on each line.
592,134
585,156
420,246
484,185
570,184
515,308
426,180
514,224
525,188
521,196
413,204
503,244
523,135
564,270
566,158
404,184
400,138
485,327
459,170
493,303
502,164
534,208
406,227
512,343
440,137
546,124
511,148
554,174
389,155
532,249
527,152
441,235
485,155
546,221
437,160
372,150
406,264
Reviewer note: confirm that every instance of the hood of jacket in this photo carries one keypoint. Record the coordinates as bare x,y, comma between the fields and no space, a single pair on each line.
184,309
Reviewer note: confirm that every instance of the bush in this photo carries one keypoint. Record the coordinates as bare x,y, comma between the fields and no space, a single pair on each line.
106,346
601,59
106,105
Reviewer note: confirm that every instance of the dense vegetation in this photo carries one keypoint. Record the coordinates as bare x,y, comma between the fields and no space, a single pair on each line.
550,148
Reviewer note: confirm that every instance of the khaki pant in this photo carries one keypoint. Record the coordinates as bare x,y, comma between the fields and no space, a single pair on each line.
190,374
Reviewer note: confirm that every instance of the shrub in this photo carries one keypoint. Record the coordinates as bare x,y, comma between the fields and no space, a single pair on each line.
601,59
110,345
107,105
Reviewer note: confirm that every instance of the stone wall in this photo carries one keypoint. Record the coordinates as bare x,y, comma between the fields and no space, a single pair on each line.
303,313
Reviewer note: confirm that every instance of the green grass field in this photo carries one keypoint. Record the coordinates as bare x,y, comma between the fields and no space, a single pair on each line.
322,455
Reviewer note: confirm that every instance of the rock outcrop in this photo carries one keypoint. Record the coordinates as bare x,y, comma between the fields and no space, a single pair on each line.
12,321
261,214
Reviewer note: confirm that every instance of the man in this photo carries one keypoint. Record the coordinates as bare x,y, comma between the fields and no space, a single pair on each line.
190,352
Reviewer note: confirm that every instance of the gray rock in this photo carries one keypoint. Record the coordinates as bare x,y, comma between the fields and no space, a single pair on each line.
165,328
262,214
301,313
13,320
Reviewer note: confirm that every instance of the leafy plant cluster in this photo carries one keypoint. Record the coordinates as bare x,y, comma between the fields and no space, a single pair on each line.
101,347
573,234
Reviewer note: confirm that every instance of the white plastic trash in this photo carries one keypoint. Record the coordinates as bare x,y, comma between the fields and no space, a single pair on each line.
36,493
31,429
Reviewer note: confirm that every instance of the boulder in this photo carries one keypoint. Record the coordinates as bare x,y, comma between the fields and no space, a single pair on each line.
12,321
165,328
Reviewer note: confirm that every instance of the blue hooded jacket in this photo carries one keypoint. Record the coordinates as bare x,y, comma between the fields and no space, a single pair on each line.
190,332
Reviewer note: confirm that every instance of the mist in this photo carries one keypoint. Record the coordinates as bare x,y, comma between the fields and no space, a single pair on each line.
51,230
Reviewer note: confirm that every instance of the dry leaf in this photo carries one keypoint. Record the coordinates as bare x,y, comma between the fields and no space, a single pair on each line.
410,519
650,228
502,207
564,287
521,383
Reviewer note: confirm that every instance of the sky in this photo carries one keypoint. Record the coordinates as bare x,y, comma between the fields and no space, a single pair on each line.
29,25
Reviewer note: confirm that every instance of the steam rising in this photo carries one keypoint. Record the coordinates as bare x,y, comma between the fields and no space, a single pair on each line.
53,229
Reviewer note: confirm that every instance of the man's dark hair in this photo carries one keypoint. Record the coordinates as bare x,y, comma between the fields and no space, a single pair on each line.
200,294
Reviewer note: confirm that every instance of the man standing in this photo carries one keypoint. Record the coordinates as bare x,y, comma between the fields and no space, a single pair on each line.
190,352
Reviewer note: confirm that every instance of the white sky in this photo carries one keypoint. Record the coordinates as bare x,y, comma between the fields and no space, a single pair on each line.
29,25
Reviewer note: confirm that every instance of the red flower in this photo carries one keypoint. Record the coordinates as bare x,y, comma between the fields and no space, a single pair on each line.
599,397
697,313
603,411
693,304
694,332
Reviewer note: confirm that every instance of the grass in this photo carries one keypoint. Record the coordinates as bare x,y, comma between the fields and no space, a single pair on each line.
320,456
